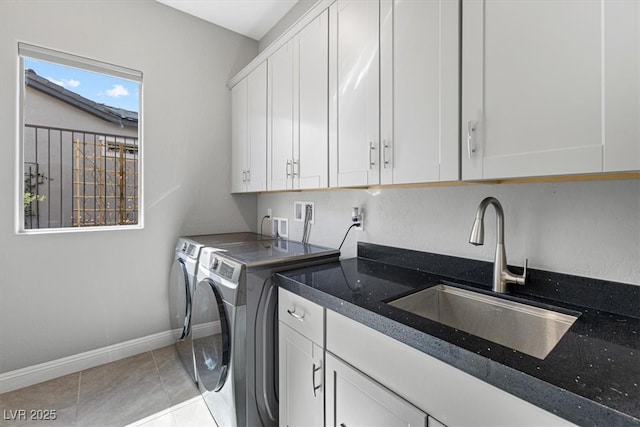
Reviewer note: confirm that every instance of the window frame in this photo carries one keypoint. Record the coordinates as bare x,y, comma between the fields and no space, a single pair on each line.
26,50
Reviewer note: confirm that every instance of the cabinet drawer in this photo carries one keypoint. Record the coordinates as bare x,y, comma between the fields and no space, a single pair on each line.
301,315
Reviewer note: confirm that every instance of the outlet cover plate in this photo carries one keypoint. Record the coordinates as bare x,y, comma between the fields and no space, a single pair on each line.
280,227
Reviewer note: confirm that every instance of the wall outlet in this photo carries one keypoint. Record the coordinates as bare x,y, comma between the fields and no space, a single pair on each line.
269,214
357,216
299,210
361,226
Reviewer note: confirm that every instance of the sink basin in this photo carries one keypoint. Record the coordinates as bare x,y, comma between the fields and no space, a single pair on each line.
531,330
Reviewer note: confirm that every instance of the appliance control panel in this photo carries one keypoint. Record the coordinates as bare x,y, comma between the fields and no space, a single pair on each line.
188,248
191,250
223,267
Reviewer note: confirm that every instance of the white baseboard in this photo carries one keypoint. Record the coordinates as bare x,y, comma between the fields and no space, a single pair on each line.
67,365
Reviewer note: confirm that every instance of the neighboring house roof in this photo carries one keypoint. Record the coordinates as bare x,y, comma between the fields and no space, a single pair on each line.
115,115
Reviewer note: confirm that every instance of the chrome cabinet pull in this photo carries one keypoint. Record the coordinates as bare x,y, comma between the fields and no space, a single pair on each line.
248,175
313,379
296,162
295,315
471,129
386,146
288,168
244,176
372,148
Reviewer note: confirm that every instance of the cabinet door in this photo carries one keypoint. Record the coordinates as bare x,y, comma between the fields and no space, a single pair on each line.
538,90
301,378
239,136
281,120
419,69
354,152
354,399
622,85
257,129
311,152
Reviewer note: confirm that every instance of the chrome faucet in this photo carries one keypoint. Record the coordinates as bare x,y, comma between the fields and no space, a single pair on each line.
501,273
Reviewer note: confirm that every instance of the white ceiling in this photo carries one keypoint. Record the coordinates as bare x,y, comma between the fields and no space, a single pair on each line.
253,18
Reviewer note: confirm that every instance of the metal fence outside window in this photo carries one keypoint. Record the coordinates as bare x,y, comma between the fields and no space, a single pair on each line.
79,178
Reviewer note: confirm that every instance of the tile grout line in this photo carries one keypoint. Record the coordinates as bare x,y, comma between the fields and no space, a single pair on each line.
155,362
166,393
79,385
78,397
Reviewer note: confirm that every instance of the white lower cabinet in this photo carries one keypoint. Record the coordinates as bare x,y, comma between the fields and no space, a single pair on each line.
301,361
353,399
301,393
334,371
406,375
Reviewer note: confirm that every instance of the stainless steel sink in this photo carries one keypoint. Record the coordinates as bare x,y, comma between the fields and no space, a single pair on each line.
531,330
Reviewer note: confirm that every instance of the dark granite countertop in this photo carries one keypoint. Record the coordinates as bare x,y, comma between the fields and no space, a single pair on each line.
591,378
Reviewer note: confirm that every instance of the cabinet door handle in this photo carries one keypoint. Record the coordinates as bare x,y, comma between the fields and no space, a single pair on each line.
244,176
372,148
288,168
386,146
296,162
295,315
313,379
471,130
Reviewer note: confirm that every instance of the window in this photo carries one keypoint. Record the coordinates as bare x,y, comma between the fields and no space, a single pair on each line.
81,152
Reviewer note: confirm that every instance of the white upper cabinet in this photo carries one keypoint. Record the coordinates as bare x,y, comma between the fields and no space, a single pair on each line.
239,136
298,110
419,99
249,132
280,123
549,87
354,149
312,150
622,85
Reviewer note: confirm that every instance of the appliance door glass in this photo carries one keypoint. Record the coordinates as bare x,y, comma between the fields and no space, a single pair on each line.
211,335
179,299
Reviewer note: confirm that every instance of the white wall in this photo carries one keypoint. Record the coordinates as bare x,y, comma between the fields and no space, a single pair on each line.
287,21
587,229
63,294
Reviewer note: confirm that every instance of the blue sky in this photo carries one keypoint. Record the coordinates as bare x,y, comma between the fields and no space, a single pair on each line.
101,88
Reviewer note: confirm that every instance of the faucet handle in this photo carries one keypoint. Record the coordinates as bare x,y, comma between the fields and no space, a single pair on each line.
523,278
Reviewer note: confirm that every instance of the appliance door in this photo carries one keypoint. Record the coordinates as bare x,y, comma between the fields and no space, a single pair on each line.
263,307
179,299
211,334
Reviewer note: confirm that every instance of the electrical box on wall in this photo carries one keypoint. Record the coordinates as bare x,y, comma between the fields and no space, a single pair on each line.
300,211
280,227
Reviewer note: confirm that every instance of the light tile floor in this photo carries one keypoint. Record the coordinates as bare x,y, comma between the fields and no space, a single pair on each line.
150,389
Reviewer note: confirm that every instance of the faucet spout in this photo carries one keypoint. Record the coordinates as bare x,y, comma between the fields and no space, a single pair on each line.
501,273
477,232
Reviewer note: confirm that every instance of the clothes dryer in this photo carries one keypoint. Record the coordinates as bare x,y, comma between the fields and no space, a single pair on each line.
234,327
182,280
